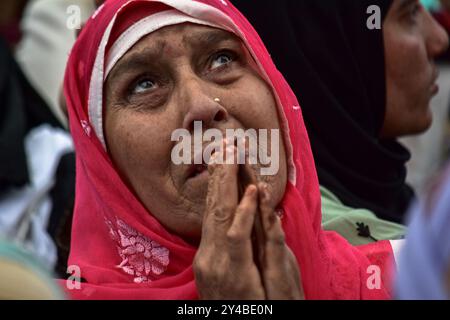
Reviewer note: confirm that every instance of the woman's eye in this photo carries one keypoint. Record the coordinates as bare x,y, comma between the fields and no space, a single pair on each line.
221,60
143,85
414,10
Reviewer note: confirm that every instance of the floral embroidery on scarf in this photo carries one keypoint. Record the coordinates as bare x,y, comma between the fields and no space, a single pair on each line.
142,258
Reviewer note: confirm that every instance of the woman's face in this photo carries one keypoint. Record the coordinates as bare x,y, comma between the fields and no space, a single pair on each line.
168,80
412,40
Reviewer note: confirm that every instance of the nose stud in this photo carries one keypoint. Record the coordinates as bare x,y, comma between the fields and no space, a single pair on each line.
216,99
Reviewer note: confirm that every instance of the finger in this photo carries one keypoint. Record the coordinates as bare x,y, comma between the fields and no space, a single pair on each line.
246,177
280,270
247,173
226,173
241,229
222,197
274,236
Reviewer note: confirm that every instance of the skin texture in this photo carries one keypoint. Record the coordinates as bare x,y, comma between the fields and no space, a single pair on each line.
168,80
412,40
230,262
176,74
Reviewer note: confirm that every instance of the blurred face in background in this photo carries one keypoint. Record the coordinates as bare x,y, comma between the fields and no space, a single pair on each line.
412,40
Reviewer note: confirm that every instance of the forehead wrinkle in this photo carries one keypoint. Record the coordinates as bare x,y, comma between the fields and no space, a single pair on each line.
134,60
207,38
154,46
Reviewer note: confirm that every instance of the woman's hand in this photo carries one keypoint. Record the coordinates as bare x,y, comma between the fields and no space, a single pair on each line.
224,265
280,273
276,262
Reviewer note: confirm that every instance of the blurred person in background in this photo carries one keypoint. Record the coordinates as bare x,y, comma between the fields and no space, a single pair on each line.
31,144
10,14
429,150
22,277
424,261
49,29
37,172
359,90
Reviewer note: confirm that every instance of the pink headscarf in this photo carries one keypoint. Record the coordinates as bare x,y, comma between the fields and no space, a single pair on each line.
122,250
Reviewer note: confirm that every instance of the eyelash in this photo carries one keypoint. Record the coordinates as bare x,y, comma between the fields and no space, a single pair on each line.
135,83
414,10
233,56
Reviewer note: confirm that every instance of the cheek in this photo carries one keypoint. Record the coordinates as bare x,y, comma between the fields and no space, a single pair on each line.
136,146
255,105
407,65
257,109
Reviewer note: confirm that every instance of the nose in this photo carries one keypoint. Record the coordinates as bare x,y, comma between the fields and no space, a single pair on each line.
201,105
437,42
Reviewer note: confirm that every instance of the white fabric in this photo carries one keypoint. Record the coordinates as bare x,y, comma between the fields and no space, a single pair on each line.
142,28
24,212
397,246
45,46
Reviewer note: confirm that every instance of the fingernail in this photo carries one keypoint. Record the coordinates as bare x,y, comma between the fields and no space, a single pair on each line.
265,190
212,159
251,189
280,213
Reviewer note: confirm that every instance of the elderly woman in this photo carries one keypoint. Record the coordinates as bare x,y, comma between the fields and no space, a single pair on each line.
148,227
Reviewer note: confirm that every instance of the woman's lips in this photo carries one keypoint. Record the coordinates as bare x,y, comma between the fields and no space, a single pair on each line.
435,86
434,89
197,171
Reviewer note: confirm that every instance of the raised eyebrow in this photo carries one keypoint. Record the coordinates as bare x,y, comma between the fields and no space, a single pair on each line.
403,4
137,60
208,38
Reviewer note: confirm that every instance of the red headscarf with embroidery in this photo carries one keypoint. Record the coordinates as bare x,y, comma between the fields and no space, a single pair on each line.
123,252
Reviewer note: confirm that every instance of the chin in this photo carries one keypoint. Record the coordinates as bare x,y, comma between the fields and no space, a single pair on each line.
427,121
421,126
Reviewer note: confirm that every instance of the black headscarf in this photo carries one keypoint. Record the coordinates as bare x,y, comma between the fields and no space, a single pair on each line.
335,65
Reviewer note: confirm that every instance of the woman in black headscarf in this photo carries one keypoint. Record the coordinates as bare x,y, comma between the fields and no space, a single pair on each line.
360,87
